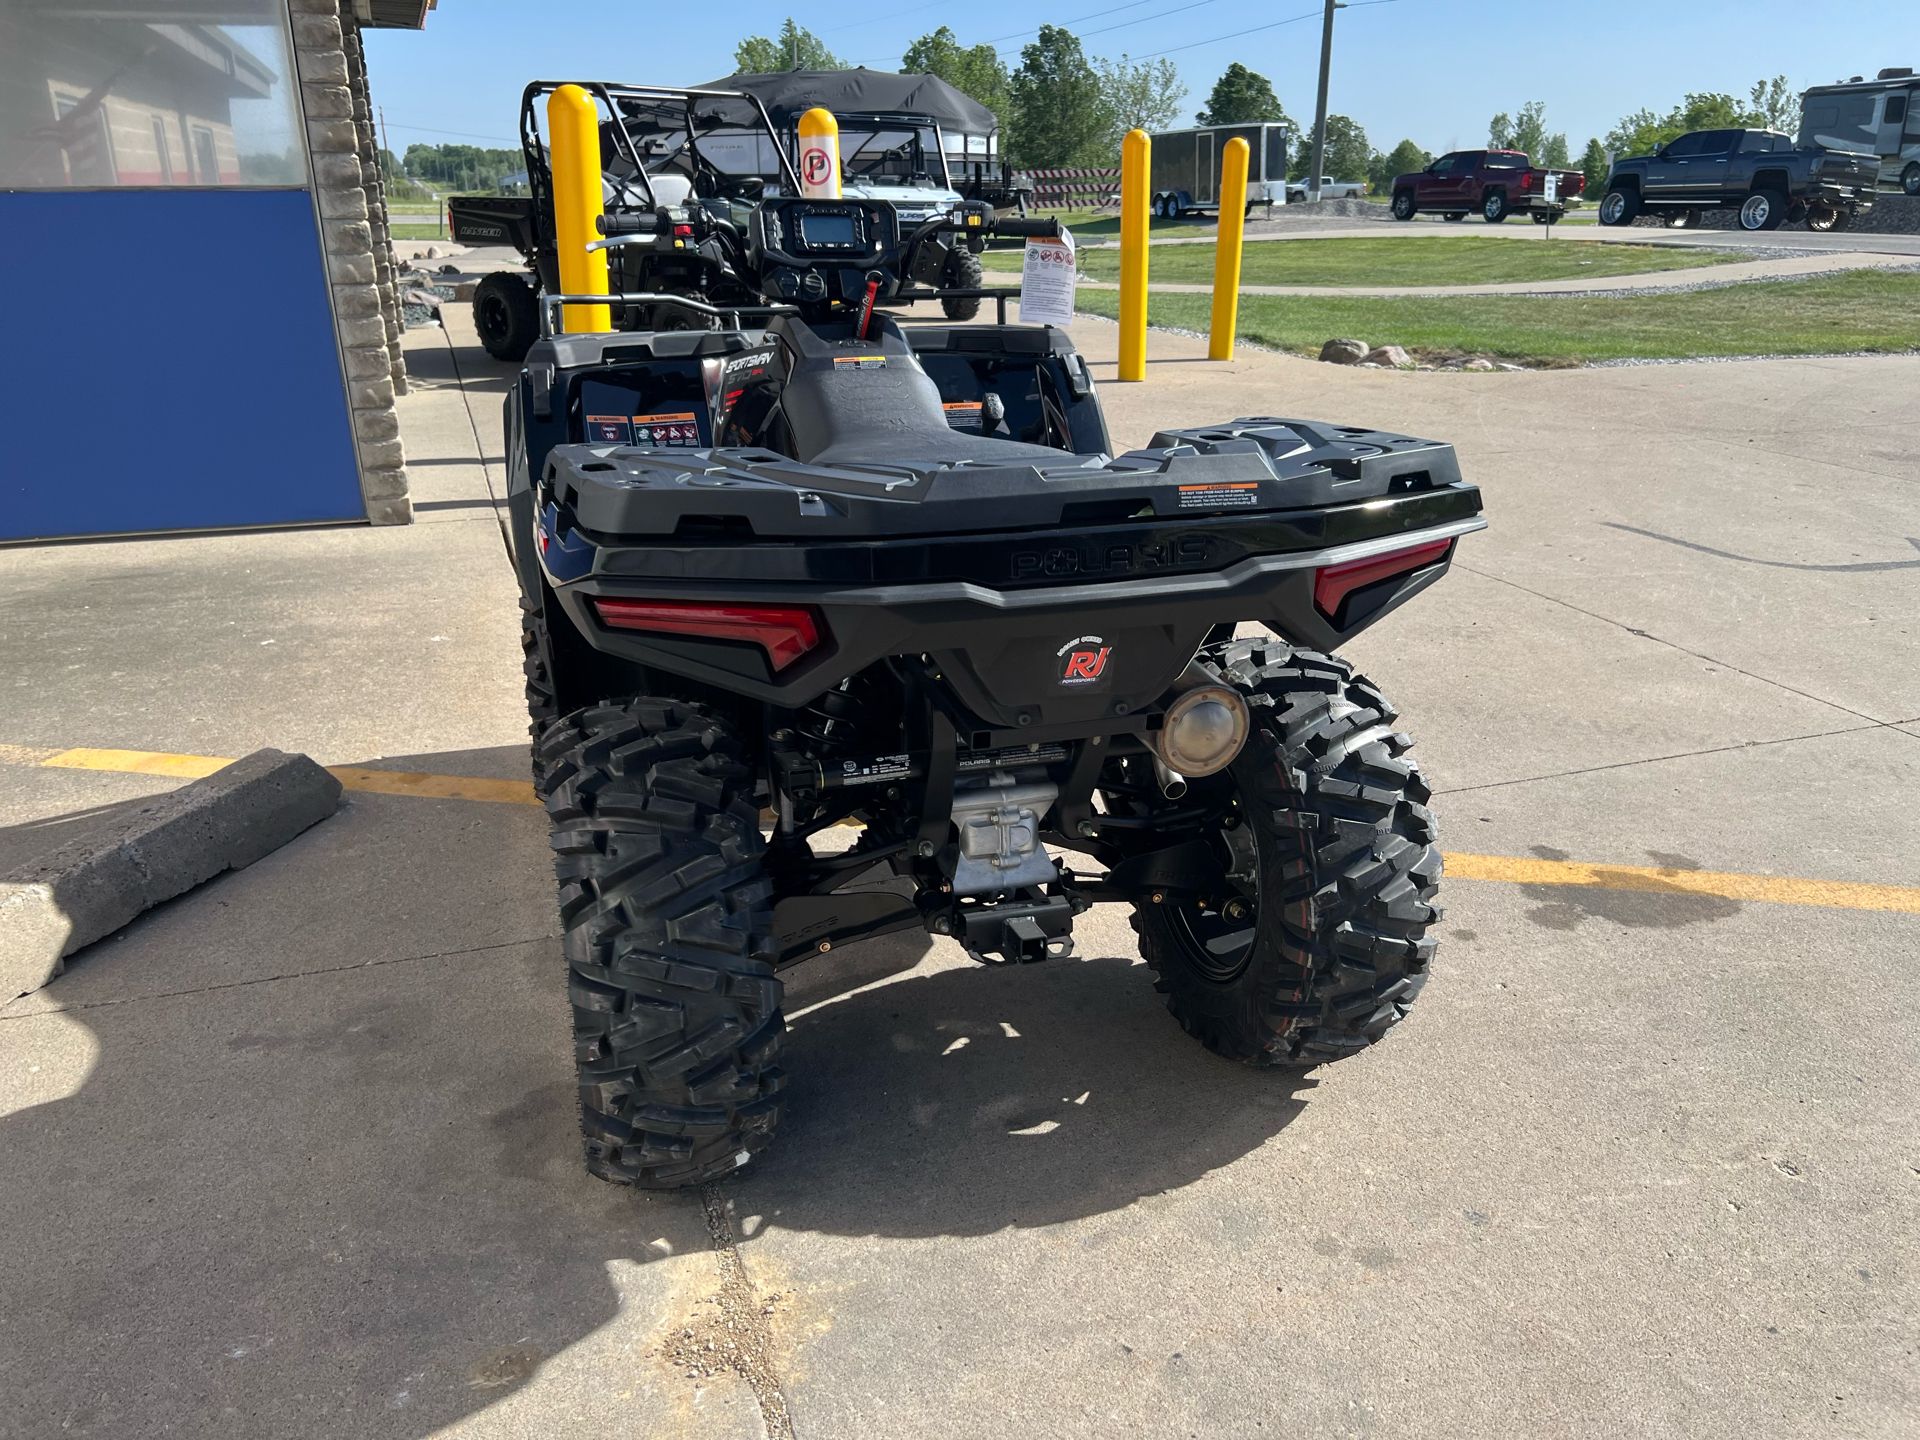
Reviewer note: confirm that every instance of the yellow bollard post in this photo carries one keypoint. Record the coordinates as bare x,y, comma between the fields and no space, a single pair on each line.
819,154
1136,151
573,145
1226,252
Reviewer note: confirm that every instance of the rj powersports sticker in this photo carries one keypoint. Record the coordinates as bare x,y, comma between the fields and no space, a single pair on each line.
1083,661
609,430
679,428
1219,497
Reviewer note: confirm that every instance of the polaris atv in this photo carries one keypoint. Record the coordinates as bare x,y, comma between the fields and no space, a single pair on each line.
833,595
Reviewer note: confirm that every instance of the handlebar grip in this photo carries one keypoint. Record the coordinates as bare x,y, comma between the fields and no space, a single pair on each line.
639,222
1032,228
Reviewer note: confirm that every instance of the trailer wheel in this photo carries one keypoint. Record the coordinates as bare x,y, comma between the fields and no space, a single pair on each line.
1688,219
1824,218
506,313
1910,179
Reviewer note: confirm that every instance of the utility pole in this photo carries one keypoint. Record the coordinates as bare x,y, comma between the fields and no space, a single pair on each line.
382,112
1320,106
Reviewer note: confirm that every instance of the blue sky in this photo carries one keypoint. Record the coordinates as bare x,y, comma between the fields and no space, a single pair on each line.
1432,70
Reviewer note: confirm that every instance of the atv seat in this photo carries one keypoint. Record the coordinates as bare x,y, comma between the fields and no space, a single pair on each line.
868,402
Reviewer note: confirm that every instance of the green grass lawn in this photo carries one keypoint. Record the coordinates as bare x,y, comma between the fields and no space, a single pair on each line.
402,230
1861,310
1401,260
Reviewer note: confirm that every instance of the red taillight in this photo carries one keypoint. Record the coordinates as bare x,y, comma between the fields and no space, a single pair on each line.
1334,583
785,632
683,232
1526,181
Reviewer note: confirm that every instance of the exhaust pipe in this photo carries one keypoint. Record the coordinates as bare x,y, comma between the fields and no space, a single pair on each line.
1205,726
1172,784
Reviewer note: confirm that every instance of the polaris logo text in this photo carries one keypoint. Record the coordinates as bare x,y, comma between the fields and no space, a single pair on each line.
1060,560
1085,660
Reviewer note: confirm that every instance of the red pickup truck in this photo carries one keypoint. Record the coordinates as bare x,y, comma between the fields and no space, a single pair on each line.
1495,182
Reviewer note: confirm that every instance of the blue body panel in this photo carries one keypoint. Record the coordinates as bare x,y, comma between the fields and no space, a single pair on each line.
200,386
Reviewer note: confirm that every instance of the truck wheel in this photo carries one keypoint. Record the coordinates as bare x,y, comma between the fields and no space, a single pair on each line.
963,272
1763,210
1403,205
506,313
667,909
1310,940
1494,206
1910,179
1620,207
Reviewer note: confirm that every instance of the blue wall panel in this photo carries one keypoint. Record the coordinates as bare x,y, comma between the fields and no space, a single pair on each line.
168,363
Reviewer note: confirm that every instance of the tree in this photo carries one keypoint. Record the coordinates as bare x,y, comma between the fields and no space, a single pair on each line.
1404,159
1058,117
1242,96
1593,163
794,48
1348,155
1528,132
972,70
1142,96
1774,105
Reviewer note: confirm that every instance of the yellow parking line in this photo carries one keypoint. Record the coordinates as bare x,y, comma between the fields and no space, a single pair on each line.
352,777
1498,869
1772,889
436,787
138,762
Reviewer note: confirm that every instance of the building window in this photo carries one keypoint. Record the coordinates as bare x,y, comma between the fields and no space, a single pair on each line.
93,99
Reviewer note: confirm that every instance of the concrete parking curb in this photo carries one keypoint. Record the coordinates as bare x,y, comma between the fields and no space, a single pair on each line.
158,849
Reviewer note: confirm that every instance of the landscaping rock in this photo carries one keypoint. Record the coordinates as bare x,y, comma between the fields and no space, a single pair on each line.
1345,352
1478,362
1392,355
432,253
449,270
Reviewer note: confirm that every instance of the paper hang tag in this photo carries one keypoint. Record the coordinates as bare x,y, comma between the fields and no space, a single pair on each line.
1047,278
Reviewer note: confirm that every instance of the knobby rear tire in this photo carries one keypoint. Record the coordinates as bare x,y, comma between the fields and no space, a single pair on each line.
667,912
1348,870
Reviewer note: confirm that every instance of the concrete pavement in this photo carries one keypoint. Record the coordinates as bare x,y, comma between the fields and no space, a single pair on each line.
294,1155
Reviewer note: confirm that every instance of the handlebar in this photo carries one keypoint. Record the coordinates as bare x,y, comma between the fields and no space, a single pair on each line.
1032,228
635,222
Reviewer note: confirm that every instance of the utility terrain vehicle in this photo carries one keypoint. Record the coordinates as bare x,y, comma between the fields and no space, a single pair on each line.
831,594
692,157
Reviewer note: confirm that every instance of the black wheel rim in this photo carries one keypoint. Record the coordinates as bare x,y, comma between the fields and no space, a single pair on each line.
1217,936
490,317
1216,930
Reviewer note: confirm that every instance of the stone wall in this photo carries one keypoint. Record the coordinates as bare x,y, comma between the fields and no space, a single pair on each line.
359,251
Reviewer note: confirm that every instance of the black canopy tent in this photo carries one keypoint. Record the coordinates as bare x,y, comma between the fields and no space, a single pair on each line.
788,93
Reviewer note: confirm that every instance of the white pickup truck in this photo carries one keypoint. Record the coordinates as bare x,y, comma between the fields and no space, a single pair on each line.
1330,189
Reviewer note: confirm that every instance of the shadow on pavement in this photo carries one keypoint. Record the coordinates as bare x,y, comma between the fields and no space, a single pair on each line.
300,1156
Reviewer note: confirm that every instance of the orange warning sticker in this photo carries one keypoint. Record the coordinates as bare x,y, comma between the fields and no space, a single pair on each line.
678,428
1220,497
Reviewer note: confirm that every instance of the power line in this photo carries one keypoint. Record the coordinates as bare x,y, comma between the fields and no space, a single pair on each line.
1017,34
1257,29
883,19
463,134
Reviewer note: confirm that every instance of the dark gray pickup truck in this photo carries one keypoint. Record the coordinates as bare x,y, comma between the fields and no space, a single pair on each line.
1760,173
